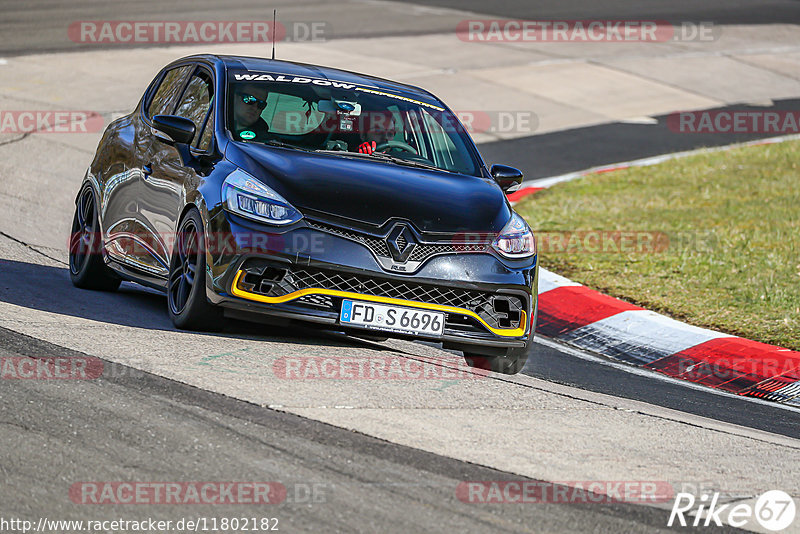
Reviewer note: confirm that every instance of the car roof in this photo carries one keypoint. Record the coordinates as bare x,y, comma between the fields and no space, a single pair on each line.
314,71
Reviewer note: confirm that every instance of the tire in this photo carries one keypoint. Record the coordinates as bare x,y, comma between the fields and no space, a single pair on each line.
87,270
187,304
510,364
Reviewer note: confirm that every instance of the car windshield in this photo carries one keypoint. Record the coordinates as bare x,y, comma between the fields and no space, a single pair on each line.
346,119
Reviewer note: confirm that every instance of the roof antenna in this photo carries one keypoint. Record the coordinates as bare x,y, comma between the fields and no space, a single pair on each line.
274,17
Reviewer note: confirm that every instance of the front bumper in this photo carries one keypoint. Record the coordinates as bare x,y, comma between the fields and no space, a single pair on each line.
487,302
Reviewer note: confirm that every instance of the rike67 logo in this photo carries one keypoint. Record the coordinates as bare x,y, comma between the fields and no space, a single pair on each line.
774,511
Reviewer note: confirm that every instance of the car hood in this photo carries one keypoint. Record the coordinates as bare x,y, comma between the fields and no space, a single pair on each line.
373,192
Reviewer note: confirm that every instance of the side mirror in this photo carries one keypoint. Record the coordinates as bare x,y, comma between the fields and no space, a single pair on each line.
507,177
173,130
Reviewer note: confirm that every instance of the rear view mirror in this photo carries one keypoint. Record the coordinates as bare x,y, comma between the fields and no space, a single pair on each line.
343,107
507,177
173,130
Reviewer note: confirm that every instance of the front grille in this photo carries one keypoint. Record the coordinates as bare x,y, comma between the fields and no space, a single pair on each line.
375,244
421,252
445,296
425,251
320,301
499,311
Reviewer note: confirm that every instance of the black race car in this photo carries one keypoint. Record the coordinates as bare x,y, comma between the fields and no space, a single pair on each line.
253,188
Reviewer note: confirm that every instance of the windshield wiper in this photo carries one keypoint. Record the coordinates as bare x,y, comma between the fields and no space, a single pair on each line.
408,162
283,144
342,153
380,156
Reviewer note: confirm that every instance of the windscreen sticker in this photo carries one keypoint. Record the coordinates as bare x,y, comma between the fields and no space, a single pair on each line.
259,77
398,97
292,79
346,124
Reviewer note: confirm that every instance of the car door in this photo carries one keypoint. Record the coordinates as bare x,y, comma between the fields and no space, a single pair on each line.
137,242
164,175
119,171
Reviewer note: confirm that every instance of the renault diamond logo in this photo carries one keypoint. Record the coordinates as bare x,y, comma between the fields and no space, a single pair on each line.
401,242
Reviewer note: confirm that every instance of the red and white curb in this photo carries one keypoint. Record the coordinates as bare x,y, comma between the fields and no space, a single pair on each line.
586,319
530,187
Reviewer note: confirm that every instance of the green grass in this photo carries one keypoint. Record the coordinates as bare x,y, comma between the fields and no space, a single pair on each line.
732,218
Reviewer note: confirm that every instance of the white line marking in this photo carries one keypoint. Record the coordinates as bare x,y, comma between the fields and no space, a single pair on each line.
548,280
641,334
640,120
561,347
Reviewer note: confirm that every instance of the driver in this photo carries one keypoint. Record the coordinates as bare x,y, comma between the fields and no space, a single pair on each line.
380,129
249,100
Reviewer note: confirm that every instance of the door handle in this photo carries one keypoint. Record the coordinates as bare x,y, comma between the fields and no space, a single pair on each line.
147,170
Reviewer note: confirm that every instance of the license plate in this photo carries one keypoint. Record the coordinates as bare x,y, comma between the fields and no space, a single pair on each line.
391,318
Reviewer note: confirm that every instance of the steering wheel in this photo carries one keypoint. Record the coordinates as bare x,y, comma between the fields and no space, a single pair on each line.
395,144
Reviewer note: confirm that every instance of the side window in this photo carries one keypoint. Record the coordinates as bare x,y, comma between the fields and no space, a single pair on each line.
170,85
445,152
208,133
196,100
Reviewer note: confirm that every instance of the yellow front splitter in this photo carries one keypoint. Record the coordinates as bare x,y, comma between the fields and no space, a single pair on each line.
516,332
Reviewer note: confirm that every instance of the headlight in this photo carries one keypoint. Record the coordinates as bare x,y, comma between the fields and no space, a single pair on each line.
246,196
516,239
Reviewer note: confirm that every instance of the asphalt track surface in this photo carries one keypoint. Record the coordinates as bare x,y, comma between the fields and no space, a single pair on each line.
141,308
557,153
716,11
132,422
134,425
39,25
